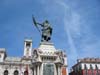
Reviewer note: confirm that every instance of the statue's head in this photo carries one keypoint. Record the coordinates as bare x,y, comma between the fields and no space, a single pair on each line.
46,23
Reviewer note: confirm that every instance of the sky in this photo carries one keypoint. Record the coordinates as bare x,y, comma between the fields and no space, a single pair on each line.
76,26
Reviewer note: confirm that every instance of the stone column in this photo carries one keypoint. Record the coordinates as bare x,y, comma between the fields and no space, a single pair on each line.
34,70
59,70
55,70
38,70
41,69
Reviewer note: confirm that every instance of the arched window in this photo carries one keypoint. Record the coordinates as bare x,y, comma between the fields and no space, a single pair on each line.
6,72
16,72
25,72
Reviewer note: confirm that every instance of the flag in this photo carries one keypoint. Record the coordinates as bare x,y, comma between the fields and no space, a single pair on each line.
35,23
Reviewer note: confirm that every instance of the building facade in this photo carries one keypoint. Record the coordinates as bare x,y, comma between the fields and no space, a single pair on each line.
44,60
86,66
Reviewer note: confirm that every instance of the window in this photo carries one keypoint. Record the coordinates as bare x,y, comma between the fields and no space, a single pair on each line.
85,67
86,70
97,73
6,72
16,72
91,67
28,44
80,67
96,67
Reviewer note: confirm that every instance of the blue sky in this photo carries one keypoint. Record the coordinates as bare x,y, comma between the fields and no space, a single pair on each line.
75,25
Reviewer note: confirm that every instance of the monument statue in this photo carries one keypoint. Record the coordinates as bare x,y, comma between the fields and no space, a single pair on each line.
46,30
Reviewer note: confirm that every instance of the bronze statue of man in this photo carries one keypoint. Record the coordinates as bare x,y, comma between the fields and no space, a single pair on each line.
46,30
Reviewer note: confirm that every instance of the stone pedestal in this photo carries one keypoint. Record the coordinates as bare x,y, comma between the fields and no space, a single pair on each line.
50,59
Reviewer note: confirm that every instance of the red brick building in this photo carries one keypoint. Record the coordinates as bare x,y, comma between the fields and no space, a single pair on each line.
86,66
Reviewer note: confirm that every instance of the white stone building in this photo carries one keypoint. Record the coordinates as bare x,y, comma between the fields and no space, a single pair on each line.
45,60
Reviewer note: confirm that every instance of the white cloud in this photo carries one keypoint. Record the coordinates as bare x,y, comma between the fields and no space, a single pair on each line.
72,28
76,27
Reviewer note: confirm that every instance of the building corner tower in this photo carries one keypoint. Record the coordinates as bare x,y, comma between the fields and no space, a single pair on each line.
28,48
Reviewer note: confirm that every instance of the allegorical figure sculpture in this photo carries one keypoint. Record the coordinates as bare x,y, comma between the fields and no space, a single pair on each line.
46,30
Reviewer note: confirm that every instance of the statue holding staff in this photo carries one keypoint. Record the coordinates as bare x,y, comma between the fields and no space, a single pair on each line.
46,30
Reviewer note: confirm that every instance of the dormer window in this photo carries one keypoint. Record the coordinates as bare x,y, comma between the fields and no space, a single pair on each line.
96,67
85,67
91,67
